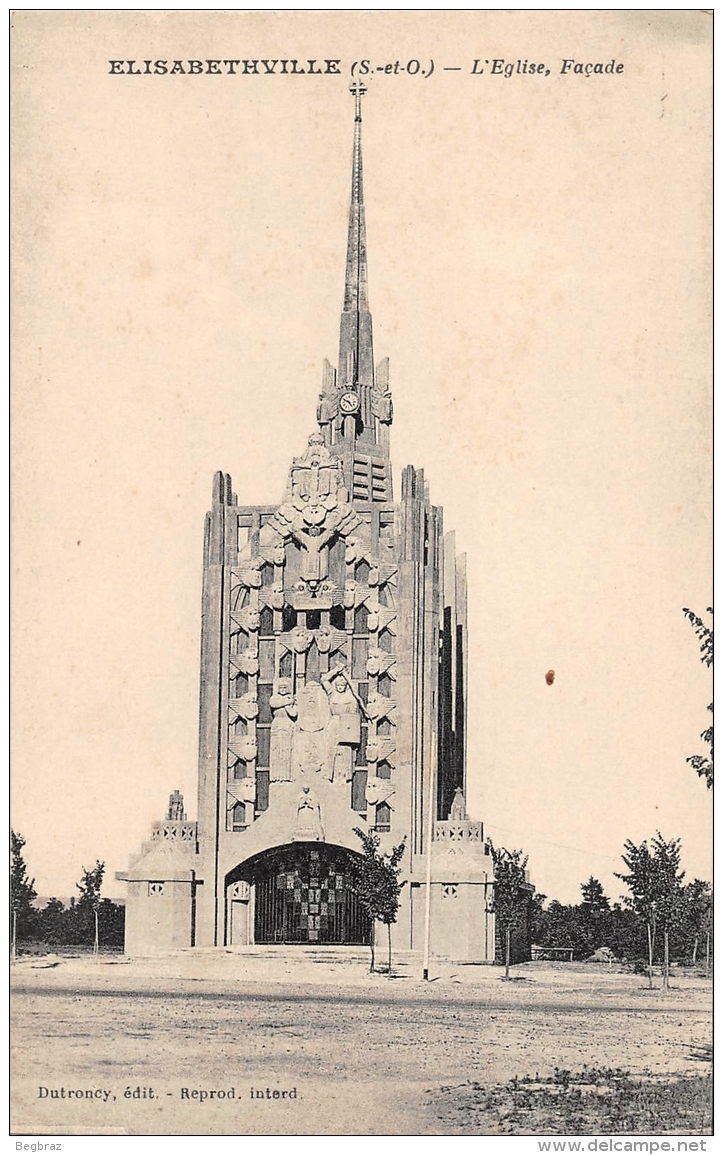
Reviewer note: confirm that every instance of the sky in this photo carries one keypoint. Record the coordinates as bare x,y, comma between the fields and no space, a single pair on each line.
539,278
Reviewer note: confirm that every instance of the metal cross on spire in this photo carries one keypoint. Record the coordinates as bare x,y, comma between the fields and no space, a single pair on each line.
357,90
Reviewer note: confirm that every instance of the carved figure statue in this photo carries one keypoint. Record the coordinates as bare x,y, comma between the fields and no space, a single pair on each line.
327,408
285,712
328,728
309,826
309,741
345,726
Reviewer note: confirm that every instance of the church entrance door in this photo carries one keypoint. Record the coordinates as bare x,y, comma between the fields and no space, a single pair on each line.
304,894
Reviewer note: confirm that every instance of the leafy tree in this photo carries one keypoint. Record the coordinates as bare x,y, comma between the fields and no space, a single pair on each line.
553,926
707,929
642,883
704,634
509,892
538,916
53,922
654,881
590,925
377,883
701,763
594,914
22,891
90,886
625,936
89,900
69,926
573,927
596,922
594,896
668,880
111,918
694,923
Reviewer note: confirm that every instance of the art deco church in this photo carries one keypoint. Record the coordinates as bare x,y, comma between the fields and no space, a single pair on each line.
333,693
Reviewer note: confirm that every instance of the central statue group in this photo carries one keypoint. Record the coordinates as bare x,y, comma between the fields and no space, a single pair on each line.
317,731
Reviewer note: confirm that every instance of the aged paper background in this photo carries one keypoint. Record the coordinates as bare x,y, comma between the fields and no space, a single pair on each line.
539,276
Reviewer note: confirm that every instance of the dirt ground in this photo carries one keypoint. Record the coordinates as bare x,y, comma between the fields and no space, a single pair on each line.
345,1051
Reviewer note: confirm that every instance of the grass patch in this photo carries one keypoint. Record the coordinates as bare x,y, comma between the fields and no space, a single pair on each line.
590,1102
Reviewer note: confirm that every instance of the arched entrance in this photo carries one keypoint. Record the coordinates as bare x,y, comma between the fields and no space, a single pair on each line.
302,893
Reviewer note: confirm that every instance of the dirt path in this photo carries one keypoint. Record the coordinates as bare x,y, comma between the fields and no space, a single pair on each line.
360,1060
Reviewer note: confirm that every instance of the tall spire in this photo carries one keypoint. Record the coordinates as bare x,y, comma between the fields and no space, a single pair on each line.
355,405
356,356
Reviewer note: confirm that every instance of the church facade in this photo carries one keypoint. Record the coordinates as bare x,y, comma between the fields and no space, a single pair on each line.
333,694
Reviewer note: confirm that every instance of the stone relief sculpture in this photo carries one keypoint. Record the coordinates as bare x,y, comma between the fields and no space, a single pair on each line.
248,620
246,663
379,662
382,406
250,574
275,596
379,790
244,748
247,707
285,712
242,790
379,707
323,639
317,508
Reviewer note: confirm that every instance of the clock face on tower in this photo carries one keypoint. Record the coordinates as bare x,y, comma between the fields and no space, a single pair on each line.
349,403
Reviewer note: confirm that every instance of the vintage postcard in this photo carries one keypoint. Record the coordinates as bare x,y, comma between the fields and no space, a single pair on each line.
362,767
